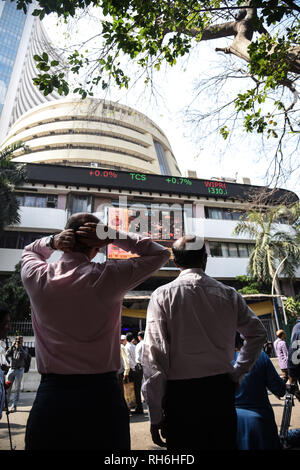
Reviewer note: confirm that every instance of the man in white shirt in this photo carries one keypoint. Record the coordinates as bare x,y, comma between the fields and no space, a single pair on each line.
139,371
190,381
124,369
133,377
139,348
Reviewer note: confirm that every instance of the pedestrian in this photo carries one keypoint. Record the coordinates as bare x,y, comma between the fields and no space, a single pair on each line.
4,325
124,369
133,377
139,370
17,354
294,358
76,315
257,428
190,381
3,361
281,351
268,348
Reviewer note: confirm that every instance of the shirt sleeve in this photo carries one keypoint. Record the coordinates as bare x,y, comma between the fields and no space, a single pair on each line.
34,260
151,257
125,361
254,335
155,360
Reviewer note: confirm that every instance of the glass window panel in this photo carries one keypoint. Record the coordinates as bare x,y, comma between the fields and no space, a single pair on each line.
232,250
215,213
9,239
236,215
215,249
162,159
24,239
80,204
243,250
29,200
227,214
20,199
224,247
41,201
250,247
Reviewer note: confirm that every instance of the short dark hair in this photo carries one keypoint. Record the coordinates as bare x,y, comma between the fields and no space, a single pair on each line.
129,337
77,220
189,258
141,334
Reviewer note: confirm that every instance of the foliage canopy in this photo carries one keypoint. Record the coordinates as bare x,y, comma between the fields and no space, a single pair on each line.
11,175
264,35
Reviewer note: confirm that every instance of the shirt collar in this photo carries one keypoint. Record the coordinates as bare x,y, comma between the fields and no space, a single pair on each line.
192,270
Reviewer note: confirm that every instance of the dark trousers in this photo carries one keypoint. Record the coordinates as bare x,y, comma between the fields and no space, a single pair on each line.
78,412
200,414
136,378
138,385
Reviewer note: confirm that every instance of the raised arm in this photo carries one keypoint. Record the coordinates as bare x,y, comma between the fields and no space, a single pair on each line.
35,255
254,335
131,272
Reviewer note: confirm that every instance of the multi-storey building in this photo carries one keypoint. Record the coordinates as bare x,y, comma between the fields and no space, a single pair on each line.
95,133
53,192
21,37
105,158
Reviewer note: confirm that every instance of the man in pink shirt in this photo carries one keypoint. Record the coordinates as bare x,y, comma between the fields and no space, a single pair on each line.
76,315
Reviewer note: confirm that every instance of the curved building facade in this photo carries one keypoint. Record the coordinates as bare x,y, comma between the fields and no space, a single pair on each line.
21,37
95,133
28,95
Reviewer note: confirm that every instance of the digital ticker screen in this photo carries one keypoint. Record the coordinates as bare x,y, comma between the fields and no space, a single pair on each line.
162,226
145,182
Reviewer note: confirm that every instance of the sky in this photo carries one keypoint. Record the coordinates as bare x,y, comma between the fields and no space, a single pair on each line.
239,157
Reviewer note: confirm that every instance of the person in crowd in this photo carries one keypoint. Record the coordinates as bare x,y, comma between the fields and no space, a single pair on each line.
189,380
3,361
133,377
124,369
257,428
139,371
294,358
17,356
4,326
76,314
281,351
268,348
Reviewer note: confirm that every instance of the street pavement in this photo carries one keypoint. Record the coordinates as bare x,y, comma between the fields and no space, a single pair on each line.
139,425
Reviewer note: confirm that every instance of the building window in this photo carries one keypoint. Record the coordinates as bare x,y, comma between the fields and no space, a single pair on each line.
9,240
231,250
18,240
37,200
79,203
162,160
224,214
